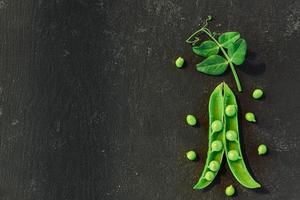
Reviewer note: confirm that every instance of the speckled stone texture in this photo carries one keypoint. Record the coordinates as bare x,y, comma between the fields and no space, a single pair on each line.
92,106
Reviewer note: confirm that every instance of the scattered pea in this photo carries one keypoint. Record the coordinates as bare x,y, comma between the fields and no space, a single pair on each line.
231,135
191,155
230,110
216,145
257,93
209,176
217,126
179,62
233,155
229,191
262,149
214,165
250,117
191,120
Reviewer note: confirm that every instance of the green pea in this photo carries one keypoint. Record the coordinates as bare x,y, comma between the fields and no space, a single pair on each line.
229,191
216,145
179,62
217,126
214,165
262,149
191,120
233,155
191,155
250,117
257,93
231,135
230,110
209,176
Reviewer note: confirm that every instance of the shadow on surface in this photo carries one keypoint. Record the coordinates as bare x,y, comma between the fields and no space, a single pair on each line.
251,66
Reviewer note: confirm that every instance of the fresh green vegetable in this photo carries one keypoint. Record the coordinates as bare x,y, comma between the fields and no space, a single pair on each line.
230,110
233,49
233,155
257,93
215,116
191,120
237,167
216,126
229,191
226,140
179,62
249,116
209,176
216,145
262,149
214,165
231,135
191,155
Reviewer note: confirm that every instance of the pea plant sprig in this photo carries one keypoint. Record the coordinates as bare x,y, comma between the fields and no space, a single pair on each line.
230,44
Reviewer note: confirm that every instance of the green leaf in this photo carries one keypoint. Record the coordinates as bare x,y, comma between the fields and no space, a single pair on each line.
228,38
237,52
213,65
206,48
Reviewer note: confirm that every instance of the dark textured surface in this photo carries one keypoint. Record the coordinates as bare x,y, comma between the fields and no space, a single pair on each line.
92,106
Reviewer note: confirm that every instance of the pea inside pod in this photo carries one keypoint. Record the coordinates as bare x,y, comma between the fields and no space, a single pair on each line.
230,110
231,135
214,165
216,145
217,126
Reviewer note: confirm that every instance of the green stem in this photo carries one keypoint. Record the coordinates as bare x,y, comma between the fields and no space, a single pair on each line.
236,78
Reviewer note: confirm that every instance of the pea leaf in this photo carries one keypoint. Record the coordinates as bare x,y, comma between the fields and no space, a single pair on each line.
206,48
213,65
237,52
228,38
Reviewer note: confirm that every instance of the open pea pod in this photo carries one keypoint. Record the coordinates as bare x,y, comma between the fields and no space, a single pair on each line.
232,146
224,137
216,113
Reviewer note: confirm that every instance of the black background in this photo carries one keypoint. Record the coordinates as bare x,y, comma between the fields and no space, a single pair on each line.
92,106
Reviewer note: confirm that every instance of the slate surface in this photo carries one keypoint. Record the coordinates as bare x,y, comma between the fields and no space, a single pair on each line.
92,106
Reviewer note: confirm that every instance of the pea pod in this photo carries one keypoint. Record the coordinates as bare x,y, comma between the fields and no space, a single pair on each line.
218,143
216,113
237,167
